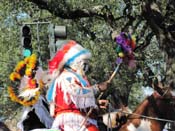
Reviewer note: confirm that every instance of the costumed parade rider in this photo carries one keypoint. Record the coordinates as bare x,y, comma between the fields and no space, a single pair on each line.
70,94
28,89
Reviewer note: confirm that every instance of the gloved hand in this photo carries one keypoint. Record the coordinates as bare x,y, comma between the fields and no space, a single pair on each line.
103,103
103,86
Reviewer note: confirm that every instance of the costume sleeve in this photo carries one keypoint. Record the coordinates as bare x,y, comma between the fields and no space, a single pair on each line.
79,92
42,112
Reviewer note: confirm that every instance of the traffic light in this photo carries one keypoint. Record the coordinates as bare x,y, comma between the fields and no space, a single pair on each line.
26,41
57,36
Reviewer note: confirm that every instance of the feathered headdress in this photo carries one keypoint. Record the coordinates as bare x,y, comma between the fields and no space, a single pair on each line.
69,53
26,80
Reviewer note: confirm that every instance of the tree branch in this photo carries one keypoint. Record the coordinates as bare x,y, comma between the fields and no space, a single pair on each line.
146,42
65,11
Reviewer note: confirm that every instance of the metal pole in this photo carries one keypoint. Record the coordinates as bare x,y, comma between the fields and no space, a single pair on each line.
35,23
39,46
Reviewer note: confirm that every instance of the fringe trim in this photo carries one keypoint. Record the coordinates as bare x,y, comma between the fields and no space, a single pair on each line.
71,120
84,102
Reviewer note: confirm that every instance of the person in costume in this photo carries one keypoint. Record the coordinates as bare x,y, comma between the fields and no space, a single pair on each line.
70,94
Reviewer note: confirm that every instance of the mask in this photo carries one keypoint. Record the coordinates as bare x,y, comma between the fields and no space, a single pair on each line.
81,66
84,65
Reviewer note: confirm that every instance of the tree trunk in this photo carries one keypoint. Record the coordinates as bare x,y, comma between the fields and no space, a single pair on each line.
165,37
